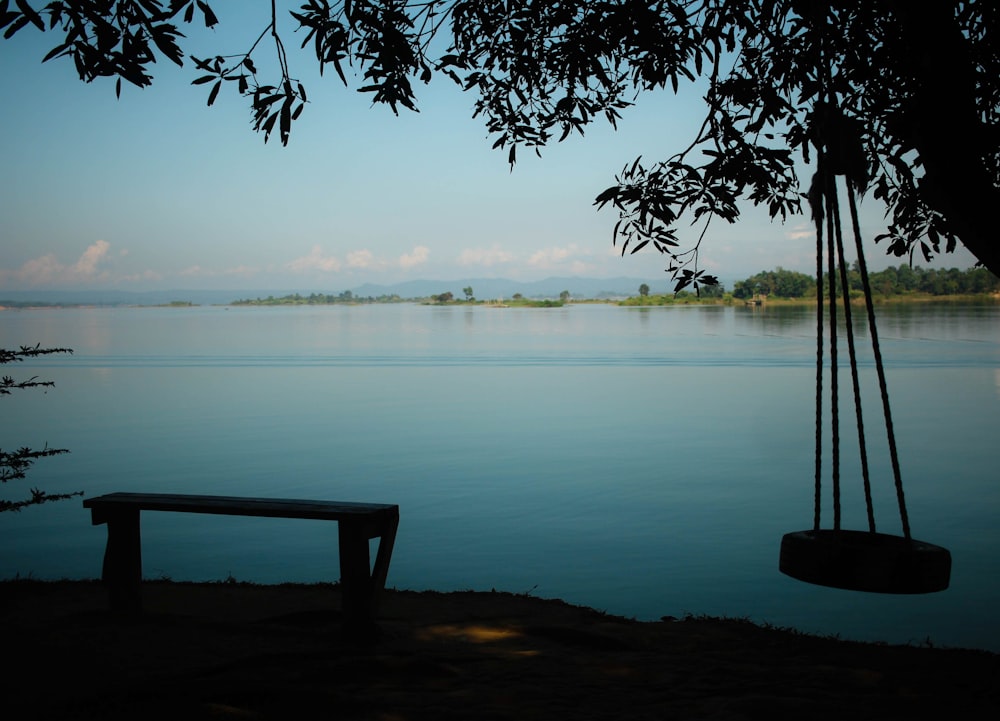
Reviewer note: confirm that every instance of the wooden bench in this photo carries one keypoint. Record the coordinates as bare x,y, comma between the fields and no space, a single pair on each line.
360,584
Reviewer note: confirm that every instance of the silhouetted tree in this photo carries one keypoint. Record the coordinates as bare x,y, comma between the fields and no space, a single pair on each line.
14,465
468,292
643,290
564,296
902,96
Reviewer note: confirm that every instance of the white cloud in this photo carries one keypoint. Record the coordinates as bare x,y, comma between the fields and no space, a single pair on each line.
360,259
244,270
553,257
417,257
48,269
38,270
92,256
800,232
199,271
315,260
147,276
485,256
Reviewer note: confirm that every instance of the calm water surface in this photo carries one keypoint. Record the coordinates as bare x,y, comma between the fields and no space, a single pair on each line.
641,461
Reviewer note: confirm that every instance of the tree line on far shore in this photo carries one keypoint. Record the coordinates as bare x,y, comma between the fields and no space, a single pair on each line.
893,281
899,283
319,299
446,298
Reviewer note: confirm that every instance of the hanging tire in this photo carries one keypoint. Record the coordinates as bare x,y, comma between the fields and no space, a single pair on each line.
865,561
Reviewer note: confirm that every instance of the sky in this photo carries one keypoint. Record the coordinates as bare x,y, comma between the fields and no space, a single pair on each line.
157,191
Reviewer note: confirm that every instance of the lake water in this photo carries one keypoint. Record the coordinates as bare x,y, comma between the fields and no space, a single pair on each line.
645,462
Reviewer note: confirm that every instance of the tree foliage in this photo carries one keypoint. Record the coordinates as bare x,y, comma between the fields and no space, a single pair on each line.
892,281
903,96
15,464
779,282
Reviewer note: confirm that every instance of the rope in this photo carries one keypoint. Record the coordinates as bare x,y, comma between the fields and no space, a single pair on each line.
834,390
818,220
824,191
852,352
883,388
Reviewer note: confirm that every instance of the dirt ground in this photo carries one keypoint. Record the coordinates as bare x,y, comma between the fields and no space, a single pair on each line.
237,651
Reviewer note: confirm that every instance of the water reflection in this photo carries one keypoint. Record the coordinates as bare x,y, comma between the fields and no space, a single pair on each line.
675,442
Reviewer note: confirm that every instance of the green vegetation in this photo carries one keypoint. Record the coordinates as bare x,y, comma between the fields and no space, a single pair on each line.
517,301
346,297
446,298
28,304
778,283
705,294
897,283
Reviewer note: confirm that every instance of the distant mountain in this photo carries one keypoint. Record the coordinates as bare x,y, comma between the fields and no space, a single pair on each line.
125,297
482,288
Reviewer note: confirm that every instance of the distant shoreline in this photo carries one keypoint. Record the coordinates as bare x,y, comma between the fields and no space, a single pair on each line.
633,301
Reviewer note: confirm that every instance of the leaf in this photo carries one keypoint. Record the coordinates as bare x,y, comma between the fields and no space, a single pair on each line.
269,125
270,100
29,12
6,17
215,92
606,196
286,120
210,19
17,25
639,247
204,79
55,52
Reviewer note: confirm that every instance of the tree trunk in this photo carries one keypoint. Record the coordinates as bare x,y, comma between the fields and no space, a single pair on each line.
947,130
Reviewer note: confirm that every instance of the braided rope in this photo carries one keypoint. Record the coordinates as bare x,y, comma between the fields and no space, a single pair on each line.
880,369
818,220
852,352
834,386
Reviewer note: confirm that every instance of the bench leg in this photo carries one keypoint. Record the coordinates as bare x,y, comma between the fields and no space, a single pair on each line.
382,558
355,579
123,562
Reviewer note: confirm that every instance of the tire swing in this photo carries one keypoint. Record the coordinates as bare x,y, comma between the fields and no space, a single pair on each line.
853,559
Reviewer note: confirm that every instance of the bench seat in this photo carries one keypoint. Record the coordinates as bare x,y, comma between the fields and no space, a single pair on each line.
361,584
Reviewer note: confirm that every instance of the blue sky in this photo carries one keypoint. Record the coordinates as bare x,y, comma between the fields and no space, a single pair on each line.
158,191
